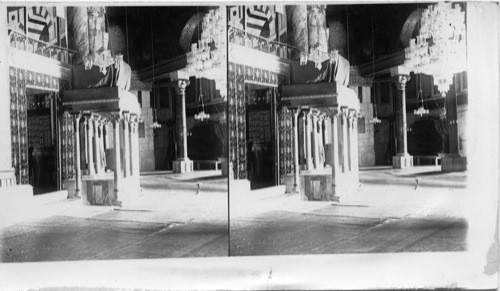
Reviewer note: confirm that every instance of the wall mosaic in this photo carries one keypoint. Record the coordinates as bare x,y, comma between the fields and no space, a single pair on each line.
238,75
20,79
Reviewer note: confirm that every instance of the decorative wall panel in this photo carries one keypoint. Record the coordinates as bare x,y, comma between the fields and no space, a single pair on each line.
238,75
67,147
286,141
19,80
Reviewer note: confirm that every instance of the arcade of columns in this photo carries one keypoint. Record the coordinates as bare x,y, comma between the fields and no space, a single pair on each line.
96,136
342,141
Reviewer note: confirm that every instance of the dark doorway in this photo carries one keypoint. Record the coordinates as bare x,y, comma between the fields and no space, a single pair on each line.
42,141
261,136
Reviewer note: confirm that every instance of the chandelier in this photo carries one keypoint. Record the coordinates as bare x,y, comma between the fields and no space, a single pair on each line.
421,111
439,49
99,54
207,58
201,115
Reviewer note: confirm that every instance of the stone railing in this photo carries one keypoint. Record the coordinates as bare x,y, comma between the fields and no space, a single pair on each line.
22,42
243,38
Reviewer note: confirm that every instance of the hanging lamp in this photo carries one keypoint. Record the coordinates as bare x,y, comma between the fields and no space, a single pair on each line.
155,123
201,115
375,120
421,111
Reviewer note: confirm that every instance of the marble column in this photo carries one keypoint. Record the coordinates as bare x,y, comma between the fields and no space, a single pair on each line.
90,148
335,161
453,160
354,147
126,145
402,159
296,178
78,165
97,147
303,116
307,129
350,152
345,141
182,164
315,143
118,168
321,141
102,143
135,146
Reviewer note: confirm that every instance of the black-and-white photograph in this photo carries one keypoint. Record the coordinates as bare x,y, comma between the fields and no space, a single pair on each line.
350,129
259,145
117,140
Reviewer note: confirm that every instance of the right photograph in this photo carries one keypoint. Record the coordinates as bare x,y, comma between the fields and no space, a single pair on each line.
347,128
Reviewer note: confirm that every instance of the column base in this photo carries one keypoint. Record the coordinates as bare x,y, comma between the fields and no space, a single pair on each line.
402,161
183,166
453,163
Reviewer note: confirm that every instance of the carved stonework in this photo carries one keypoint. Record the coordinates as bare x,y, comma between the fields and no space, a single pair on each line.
400,81
181,86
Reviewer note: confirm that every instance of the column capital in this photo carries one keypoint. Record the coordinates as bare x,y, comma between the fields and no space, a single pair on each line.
344,111
88,116
115,116
180,85
352,113
400,81
305,111
333,111
134,118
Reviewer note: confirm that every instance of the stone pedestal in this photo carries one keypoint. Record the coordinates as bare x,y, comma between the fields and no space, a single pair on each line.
182,166
402,161
453,163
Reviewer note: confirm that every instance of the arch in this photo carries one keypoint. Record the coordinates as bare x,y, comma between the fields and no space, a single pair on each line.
189,30
409,26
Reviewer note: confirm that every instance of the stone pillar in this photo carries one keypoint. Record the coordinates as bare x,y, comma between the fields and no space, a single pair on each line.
183,164
97,147
78,164
126,145
304,139
90,152
307,130
135,147
118,168
7,175
321,141
102,143
335,161
350,153
354,147
345,141
453,161
296,178
402,159
315,144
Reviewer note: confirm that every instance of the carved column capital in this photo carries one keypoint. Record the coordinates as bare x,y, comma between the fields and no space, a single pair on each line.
180,86
333,111
400,81
344,111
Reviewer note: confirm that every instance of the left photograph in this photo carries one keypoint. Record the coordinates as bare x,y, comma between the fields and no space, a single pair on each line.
114,133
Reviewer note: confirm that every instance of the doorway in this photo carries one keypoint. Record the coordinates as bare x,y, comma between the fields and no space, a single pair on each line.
42,141
262,153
